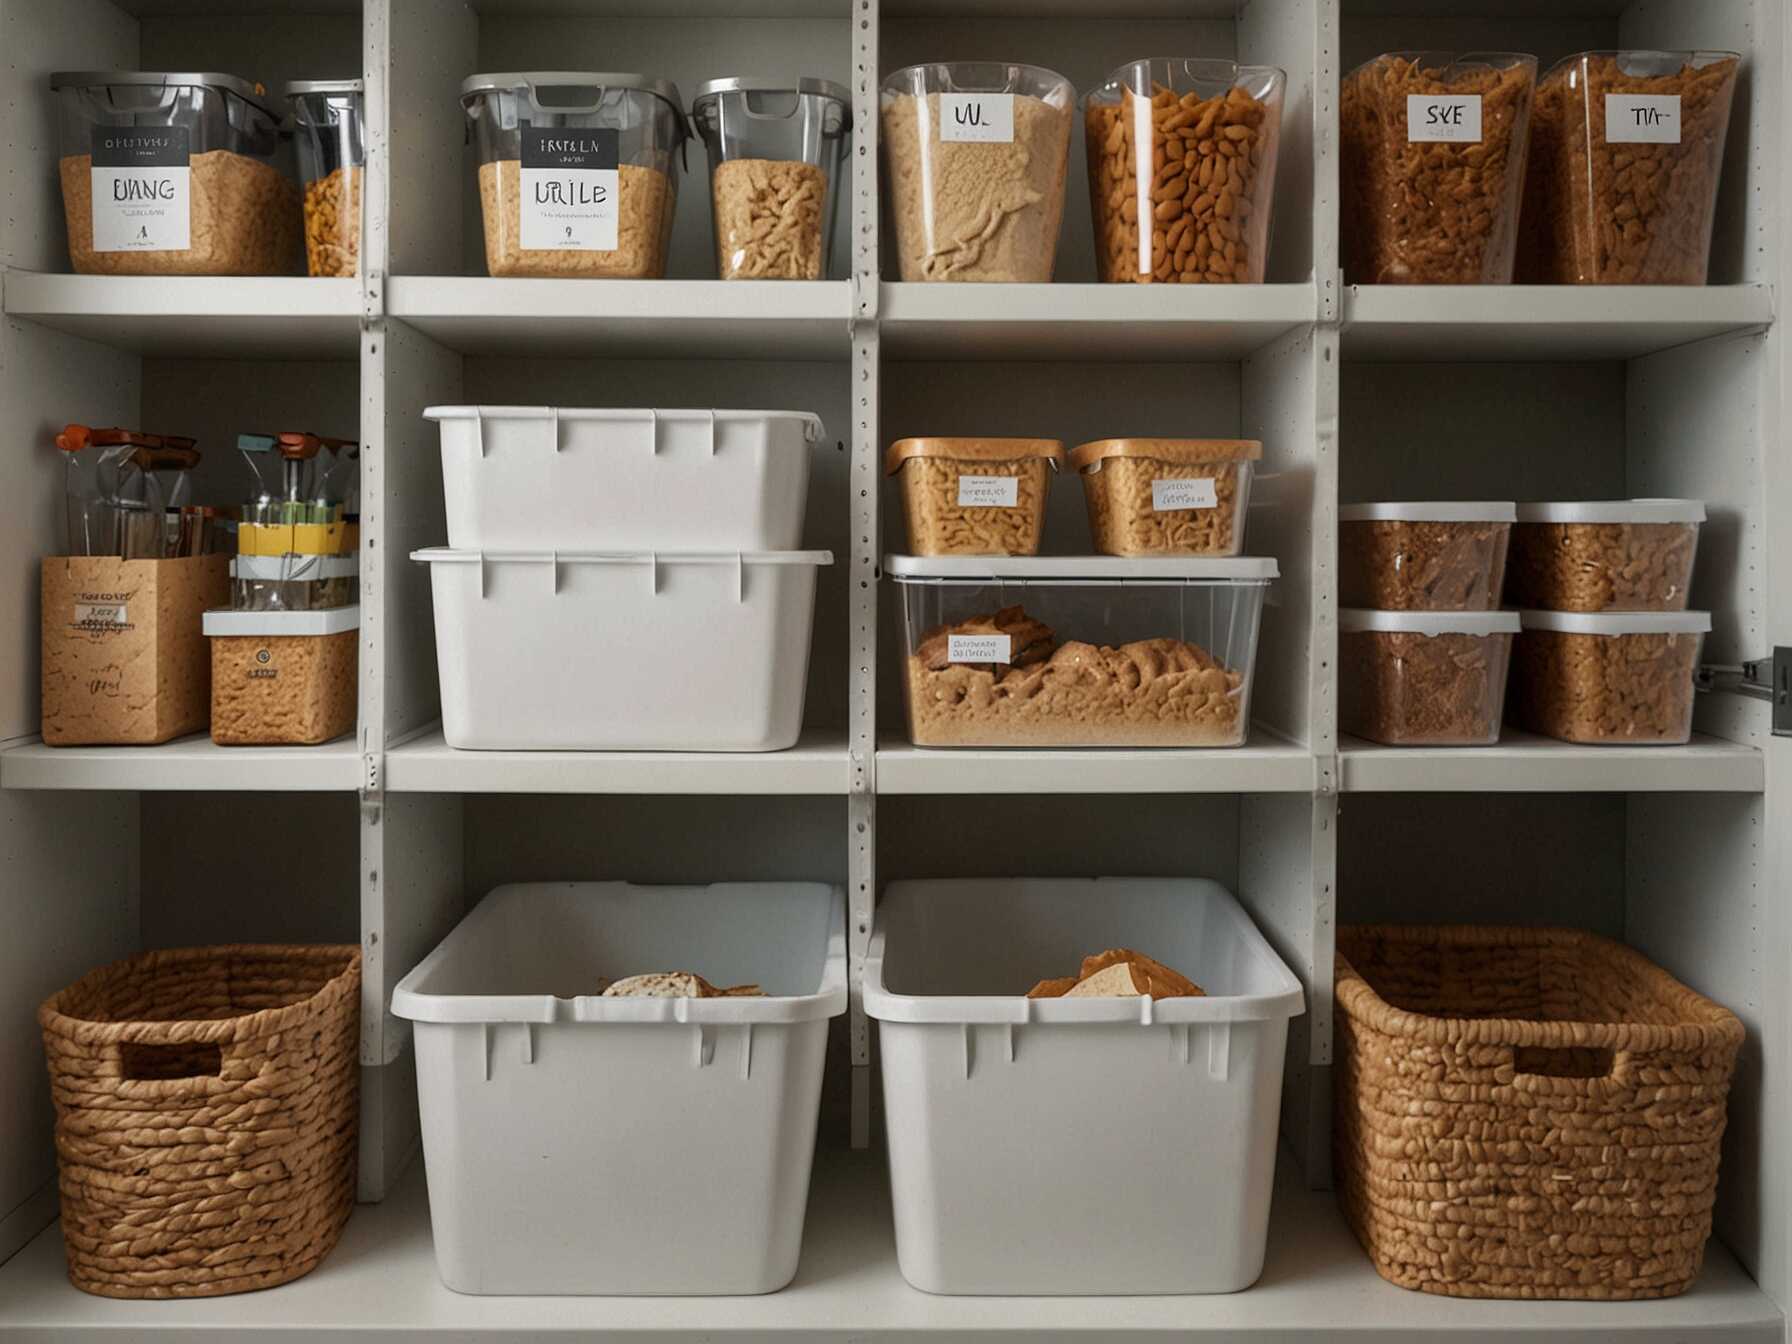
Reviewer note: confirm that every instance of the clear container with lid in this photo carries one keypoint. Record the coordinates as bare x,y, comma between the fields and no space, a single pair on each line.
1605,555
1199,168
1424,678
578,171
1623,678
974,496
775,153
173,174
1423,556
332,157
975,154
1167,496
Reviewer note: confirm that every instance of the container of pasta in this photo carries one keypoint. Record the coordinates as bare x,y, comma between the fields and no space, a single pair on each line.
1423,556
1605,555
332,156
966,496
282,678
1623,678
578,172
1424,678
1167,496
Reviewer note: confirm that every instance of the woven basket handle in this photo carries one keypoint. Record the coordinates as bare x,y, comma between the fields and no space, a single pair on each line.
170,1068
1599,1068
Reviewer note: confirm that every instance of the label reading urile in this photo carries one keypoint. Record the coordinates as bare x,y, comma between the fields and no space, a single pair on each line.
141,185
570,189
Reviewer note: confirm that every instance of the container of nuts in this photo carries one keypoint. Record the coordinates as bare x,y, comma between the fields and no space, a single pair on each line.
1605,555
1423,557
1424,678
1167,496
1608,677
967,496
332,155
1199,170
1626,149
1433,157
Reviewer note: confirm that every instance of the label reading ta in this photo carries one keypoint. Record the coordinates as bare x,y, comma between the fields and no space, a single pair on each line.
985,118
1440,117
569,188
1642,118
988,492
141,182
1175,493
979,649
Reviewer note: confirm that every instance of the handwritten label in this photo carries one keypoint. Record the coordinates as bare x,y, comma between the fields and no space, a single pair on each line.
1433,117
569,184
101,615
988,492
979,649
985,118
1642,118
141,182
1170,495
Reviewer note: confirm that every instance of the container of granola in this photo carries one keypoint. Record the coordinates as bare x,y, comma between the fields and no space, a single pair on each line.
1433,153
1079,651
775,153
1423,557
975,154
173,174
578,172
332,157
1608,677
1167,496
283,678
1604,555
1424,678
969,496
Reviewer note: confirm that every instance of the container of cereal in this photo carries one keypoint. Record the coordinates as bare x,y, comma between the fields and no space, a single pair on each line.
775,153
1199,170
578,172
332,156
976,154
173,174
965,496
1424,678
1608,677
1626,150
1433,153
1604,555
282,677
1167,496
1423,557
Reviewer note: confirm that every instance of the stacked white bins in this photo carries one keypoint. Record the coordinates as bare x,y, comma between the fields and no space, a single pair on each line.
577,1144
1090,1145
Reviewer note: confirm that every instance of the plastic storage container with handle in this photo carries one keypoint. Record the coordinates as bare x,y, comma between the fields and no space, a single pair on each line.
332,158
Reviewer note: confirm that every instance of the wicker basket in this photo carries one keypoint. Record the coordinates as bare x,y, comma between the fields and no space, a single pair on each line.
1528,1113
206,1117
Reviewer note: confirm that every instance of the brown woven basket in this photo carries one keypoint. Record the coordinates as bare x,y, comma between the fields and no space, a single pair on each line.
1526,1112
206,1117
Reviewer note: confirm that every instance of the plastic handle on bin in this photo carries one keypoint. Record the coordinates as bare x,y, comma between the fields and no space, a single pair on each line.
479,429
483,566
554,416
740,577
562,109
554,572
653,573
712,432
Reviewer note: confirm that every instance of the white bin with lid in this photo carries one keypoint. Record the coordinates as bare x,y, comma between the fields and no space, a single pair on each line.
1091,1145
582,1144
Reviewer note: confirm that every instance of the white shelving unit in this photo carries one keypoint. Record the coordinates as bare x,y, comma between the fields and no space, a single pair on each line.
1357,392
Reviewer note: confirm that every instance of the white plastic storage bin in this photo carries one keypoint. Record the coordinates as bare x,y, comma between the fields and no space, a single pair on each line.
643,651
516,477
1090,1145
578,1144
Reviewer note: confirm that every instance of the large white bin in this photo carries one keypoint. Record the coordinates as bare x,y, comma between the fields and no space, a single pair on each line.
517,477
578,1144
1057,1146
645,651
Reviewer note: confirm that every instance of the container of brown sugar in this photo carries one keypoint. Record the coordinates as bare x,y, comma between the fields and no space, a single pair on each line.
1604,555
1424,678
1167,496
1608,677
972,496
1423,556
283,678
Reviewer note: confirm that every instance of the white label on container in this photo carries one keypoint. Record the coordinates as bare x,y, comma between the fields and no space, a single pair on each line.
101,615
979,649
1184,493
141,182
1443,117
1642,118
989,492
986,118
570,189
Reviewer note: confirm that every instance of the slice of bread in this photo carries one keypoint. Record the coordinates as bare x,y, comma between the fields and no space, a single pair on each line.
1115,981
662,985
1052,989
742,992
1155,978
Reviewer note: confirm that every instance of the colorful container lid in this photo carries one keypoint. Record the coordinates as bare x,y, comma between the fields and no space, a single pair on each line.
1088,457
972,450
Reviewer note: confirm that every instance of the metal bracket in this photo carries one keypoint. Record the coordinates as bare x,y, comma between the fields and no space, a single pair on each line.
1768,679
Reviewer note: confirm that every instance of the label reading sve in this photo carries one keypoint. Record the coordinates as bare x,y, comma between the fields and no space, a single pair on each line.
1642,118
1451,117
1170,494
979,649
141,181
988,492
570,189
984,118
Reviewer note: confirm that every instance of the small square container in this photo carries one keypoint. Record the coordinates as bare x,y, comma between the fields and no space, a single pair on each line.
283,677
1610,677
1424,678
332,158
1423,557
1604,555
1167,496
1079,651
964,496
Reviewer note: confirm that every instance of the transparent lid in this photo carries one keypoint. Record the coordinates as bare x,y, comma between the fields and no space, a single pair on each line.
1451,511
1614,511
820,88
1033,81
1202,75
569,91
1637,63
1446,67
1357,620
297,87
1618,622
250,91
1019,568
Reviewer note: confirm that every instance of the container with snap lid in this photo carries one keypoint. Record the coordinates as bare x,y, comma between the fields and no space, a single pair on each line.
1182,169
1167,496
1608,677
975,154
1423,556
972,496
332,156
1424,678
1605,555
775,152
578,171
173,174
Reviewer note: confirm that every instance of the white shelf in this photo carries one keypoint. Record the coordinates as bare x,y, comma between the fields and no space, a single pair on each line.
1522,763
1265,764
1063,9
185,764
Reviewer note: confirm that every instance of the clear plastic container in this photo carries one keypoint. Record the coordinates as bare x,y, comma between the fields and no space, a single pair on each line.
332,157
1424,678
1202,178
1433,153
1605,555
965,496
1167,496
1610,677
1423,557
775,154
1626,151
975,154
1079,651
173,174
578,172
